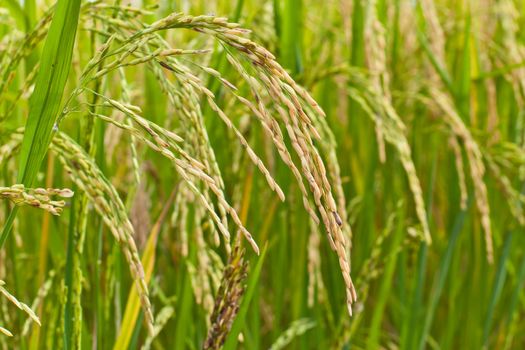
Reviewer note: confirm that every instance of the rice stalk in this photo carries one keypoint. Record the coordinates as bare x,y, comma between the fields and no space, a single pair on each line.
461,171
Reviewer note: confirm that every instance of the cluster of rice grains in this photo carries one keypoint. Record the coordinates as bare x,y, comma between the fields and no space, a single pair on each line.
88,177
227,300
279,104
36,197
90,180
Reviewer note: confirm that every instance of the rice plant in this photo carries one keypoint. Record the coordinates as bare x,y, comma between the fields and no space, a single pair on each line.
262,174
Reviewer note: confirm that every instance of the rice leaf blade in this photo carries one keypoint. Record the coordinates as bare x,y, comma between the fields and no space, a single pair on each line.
45,101
49,88
498,287
441,275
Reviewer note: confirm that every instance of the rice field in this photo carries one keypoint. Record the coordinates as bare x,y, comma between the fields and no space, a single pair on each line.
238,174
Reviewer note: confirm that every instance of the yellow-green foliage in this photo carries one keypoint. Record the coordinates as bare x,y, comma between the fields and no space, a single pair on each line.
377,142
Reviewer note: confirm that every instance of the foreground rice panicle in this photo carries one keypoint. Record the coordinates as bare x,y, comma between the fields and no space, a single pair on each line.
298,117
283,108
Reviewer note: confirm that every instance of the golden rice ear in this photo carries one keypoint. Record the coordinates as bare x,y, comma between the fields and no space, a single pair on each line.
106,201
271,87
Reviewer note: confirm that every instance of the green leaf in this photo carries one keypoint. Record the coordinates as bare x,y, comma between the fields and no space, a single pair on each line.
386,285
291,38
44,103
498,288
440,277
